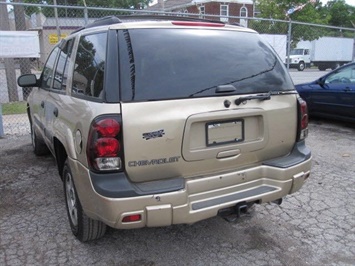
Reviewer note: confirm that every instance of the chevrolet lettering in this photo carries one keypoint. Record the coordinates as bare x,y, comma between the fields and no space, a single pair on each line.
154,161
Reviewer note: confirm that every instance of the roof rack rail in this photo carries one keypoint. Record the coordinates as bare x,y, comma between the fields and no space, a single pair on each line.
164,17
108,20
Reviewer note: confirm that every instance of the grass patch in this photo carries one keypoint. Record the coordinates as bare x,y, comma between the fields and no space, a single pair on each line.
14,108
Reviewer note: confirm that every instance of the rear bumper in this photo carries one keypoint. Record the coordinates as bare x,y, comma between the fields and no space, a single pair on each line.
198,199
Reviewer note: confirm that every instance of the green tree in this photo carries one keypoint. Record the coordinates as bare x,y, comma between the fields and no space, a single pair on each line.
136,4
311,13
341,14
277,9
67,12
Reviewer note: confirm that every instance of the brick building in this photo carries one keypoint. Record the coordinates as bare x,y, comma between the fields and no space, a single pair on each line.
224,9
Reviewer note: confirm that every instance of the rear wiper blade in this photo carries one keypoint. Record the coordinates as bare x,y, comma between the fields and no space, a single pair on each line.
237,80
260,97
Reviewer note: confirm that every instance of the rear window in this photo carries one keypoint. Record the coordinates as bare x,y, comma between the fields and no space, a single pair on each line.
181,63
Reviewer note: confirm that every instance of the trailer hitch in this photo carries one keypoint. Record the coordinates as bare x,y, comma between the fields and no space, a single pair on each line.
232,214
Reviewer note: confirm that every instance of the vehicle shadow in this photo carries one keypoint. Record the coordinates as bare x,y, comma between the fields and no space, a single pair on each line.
331,122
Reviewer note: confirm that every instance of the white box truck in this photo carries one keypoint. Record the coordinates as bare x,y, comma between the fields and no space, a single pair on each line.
326,52
278,42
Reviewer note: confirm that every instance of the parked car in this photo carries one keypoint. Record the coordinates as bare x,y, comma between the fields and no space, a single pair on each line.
155,121
333,95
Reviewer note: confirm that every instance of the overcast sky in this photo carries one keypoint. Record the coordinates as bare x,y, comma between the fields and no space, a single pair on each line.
349,2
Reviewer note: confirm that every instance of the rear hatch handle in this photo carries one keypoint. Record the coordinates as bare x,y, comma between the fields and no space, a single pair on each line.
260,97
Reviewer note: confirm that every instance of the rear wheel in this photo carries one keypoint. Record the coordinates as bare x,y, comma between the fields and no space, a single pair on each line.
335,66
39,147
301,66
83,227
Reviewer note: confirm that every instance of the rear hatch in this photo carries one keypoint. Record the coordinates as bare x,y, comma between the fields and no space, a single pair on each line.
199,100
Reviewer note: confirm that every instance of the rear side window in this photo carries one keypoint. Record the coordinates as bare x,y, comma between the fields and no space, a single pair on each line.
61,72
88,77
181,63
47,74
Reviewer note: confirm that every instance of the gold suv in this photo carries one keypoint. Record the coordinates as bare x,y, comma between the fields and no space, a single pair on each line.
155,121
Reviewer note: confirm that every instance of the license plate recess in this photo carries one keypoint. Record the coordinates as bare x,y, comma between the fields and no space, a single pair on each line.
224,132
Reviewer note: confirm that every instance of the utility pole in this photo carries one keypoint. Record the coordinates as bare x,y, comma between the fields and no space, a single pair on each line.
85,13
289,40
56,19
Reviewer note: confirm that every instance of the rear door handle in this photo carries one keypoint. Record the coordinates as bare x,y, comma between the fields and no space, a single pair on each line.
55,111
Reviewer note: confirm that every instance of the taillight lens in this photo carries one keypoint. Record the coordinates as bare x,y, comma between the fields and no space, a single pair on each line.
104,150
302,119
108,127
107,147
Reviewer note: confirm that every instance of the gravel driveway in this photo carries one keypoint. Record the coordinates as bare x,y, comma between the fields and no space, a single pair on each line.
315,226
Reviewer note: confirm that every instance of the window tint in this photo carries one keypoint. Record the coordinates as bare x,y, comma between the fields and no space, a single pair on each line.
88,78
180,63
47,74
61,72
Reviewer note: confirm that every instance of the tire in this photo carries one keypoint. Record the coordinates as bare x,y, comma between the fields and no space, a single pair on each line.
39,147
301,66
83,227
335,66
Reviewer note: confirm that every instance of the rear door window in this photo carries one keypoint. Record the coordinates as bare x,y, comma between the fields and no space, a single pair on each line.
61,72
182,63
47,74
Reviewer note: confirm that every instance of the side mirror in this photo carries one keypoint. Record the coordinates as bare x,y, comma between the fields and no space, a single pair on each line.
321,82
27,80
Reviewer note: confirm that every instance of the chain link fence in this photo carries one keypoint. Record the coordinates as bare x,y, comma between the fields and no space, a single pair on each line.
55,22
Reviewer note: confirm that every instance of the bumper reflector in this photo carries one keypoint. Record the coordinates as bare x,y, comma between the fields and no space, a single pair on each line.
132,218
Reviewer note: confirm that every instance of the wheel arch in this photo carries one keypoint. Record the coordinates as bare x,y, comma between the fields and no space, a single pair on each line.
28,110
63,143
60,155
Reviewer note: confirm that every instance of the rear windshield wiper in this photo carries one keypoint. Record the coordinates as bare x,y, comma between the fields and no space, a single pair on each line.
223,90
262,96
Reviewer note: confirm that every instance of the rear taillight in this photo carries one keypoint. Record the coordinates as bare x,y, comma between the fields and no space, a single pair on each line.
104,149
302,131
